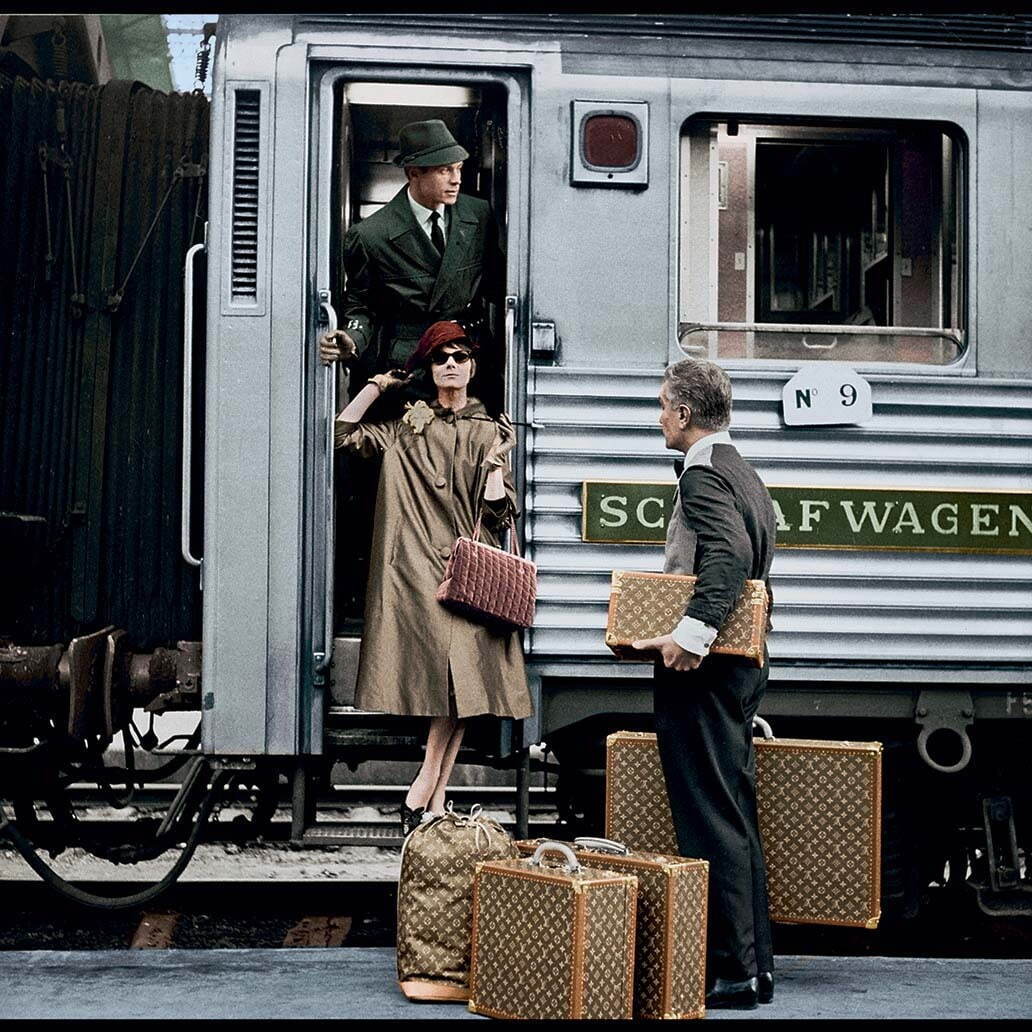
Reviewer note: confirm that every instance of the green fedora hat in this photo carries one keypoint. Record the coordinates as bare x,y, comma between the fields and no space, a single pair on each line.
427,144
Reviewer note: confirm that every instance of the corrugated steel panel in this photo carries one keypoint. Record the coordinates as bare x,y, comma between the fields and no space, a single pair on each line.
830,605
90,392
967,31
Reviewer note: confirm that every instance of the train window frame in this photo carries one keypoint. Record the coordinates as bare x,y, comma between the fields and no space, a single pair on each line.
940,345
583,172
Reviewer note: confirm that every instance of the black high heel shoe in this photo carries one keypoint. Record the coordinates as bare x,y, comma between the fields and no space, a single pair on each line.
410,819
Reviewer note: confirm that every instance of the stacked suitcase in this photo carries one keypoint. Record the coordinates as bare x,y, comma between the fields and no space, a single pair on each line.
819,807
608,929
670,961
552,942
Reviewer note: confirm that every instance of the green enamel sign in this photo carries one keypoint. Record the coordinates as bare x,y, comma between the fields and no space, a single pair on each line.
994,522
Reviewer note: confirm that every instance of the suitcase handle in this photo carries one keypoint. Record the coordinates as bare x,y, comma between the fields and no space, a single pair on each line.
602,845
551,846
765,728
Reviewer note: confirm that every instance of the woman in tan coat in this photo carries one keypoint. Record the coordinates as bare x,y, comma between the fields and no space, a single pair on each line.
444,464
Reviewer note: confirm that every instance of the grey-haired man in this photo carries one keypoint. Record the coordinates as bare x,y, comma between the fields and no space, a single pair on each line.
722,530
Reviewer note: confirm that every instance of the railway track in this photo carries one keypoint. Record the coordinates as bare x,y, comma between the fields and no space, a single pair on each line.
350,815
266,914
255,888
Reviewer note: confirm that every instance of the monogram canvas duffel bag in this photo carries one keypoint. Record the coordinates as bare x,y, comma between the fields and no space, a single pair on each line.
435,895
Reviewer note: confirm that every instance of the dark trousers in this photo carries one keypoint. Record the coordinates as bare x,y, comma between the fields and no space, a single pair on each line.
704,731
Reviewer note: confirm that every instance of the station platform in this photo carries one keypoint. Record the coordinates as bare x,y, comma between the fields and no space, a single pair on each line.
359,982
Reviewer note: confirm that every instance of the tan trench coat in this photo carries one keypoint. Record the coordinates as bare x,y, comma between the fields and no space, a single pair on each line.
432,482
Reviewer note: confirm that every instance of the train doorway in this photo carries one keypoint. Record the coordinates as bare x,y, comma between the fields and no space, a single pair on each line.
357,123
369,119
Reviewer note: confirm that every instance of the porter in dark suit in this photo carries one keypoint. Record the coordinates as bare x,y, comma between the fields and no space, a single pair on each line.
722,530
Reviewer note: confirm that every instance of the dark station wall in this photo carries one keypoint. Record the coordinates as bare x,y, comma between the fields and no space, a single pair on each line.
104,191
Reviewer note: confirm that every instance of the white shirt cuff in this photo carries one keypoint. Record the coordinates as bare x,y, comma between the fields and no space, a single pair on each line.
693,636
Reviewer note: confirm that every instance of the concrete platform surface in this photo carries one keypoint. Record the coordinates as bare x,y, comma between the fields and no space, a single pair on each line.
359,982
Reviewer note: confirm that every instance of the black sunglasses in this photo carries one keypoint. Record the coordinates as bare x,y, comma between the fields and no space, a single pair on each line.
440,357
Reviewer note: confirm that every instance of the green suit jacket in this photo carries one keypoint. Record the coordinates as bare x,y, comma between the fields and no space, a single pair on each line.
397,284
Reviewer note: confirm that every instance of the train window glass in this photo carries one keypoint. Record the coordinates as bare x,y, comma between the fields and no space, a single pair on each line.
825,242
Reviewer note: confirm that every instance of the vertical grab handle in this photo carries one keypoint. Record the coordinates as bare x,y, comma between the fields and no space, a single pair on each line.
328,323
188,318
511,393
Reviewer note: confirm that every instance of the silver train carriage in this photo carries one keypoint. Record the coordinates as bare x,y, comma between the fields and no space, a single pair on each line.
833,208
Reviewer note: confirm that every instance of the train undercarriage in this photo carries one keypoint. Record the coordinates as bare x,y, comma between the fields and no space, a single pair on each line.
957,805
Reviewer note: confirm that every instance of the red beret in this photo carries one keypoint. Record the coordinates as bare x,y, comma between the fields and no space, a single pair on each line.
437,335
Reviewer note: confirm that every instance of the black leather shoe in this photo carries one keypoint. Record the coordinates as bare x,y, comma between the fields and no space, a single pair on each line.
765,987
410,819
732,995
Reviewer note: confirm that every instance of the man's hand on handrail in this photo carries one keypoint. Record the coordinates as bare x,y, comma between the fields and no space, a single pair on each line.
337,346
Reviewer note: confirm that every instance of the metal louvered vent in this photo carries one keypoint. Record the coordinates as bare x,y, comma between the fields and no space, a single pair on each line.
246,127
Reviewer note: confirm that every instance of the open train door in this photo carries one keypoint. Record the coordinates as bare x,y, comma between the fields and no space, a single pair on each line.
358,110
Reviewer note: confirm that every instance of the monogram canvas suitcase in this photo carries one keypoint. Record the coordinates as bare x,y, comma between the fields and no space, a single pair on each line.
670,964
649,605
819,809
552,942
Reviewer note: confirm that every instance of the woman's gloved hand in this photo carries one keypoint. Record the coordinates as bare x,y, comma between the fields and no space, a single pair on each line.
391,380
337,346
505,440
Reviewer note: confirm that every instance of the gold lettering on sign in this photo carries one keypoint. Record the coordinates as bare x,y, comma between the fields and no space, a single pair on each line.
980,519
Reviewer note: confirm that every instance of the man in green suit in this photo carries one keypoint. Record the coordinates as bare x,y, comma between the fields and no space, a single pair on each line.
429,254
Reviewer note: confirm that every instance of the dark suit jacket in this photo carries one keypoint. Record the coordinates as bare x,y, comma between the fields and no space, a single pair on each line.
729,508
397,284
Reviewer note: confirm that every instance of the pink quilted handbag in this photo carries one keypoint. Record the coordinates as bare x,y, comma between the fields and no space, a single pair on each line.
490,585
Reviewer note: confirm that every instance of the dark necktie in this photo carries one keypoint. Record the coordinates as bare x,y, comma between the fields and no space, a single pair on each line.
436,236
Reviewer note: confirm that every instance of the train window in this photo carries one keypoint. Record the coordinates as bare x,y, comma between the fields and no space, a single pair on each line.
825,242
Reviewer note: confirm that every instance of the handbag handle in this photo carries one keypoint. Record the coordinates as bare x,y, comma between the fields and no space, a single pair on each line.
551,846
602,845
763,727
514,541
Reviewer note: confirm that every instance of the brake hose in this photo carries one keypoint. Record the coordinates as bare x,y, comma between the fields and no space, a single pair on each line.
89,899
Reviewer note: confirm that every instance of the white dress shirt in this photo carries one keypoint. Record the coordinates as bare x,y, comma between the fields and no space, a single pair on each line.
423,217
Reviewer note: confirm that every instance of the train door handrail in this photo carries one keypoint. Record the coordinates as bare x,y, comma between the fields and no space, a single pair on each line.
188,319
328,323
